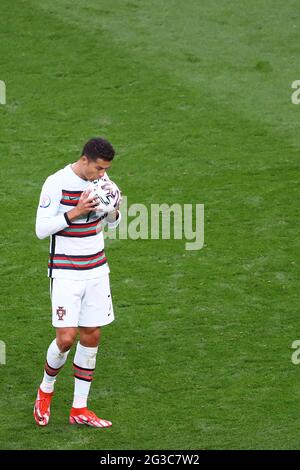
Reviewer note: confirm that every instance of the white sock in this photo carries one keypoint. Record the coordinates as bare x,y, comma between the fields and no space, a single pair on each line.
84,365
55,361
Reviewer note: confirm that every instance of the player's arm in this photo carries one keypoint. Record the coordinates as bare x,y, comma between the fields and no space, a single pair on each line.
48,219
113,219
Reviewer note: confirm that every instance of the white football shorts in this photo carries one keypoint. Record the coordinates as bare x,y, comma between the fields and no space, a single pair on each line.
81,303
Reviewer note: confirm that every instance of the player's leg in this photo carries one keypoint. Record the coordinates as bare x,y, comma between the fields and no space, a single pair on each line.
84,364
96,311
65,313
56,357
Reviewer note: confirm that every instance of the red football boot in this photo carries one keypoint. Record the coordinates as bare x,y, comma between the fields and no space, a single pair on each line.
41,411
87,417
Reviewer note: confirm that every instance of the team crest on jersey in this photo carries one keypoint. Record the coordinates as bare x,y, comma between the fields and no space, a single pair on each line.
60,312
45,201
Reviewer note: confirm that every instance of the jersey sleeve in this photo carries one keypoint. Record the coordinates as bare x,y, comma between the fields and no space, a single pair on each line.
113,219
48,219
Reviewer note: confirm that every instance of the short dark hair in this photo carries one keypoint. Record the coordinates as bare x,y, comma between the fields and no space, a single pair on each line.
98,148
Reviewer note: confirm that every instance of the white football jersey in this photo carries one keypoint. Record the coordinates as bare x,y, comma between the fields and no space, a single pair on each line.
76,250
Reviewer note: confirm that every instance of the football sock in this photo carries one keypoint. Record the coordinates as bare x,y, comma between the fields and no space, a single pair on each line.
84,366
54,362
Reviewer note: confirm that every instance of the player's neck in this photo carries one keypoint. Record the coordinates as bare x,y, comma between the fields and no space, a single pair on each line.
75,167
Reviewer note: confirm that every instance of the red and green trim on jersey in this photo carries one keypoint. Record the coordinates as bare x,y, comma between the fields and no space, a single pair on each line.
70,198
82,230
77,262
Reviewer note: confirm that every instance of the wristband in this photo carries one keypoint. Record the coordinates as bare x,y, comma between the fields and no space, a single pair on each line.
67,218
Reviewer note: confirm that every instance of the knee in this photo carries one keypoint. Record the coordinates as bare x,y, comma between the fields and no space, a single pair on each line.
65,341
89,337
95,338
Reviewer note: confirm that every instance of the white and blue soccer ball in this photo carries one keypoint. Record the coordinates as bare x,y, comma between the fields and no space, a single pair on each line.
106,193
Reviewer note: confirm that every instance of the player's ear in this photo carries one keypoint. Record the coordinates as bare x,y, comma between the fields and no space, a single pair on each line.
84,159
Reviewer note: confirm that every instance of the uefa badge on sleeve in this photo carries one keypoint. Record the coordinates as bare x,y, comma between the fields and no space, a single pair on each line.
45,201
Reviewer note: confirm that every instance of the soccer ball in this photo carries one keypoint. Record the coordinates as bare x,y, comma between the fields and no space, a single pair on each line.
106,193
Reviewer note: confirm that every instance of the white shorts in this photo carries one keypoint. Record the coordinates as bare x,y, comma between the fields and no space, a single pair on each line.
81,303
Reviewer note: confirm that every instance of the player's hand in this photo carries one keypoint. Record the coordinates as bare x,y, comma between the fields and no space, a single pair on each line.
86,203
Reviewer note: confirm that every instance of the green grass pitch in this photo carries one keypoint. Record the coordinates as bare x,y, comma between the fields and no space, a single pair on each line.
196,98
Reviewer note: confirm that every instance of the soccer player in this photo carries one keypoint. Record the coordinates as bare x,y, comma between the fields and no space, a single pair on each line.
79,275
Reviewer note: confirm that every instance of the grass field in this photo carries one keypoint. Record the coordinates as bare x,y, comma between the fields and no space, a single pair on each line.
196,98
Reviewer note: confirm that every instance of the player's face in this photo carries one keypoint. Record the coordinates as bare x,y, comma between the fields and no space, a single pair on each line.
95,169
